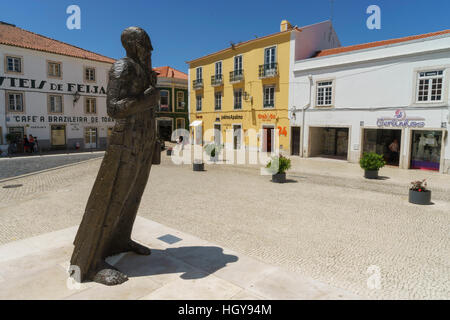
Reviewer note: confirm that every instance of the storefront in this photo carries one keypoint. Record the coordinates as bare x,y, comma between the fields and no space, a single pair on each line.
164,128
329,142
58,98
386,142
426,149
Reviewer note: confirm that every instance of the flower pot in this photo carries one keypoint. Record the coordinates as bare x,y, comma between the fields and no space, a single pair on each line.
199,167
169,152
279,177
420,197
371,174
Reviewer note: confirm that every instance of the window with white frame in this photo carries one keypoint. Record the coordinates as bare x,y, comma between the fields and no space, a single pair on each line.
164,100
218,101
199,103
13,64
199,73
429,86
89,74
180,99
54,69
15,102
238,65
55,104
324,93
218,69
269,96
238,99
90,105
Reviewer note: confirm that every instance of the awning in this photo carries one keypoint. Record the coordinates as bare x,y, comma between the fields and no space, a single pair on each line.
196,123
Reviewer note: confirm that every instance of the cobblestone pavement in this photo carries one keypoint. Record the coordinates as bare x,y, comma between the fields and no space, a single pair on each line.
318,227
12,167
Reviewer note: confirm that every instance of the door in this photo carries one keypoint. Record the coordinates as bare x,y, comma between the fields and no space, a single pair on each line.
58,136
269,57
267,139
238,65
90,138
237,136
18,134
295,141
217,134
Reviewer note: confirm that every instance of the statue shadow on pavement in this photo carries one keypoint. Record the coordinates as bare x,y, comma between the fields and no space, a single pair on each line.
191,262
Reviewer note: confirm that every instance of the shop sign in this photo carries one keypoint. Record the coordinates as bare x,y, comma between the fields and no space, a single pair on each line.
232,117
265,116
400,120
58,119
22,83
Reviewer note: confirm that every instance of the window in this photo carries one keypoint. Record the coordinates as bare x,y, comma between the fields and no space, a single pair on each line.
199,72
238,65
269,96
180,123
324,93
270,57
218,101
54,69
238,99
90,105
164,100
13,64
219,69
15,102
89,74
429,86
55,104
199,103
180,100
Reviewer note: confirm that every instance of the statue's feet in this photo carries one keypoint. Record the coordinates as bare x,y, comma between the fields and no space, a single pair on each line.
138,248
110,276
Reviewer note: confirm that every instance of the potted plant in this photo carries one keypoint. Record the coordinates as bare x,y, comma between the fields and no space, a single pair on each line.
213,150
169,151
278,166
198,165
418,193
371,163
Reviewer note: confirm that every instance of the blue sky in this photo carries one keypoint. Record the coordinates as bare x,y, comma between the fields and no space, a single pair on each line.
182,30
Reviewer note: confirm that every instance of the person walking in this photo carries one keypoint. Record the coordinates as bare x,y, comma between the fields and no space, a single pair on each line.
31,142
36,144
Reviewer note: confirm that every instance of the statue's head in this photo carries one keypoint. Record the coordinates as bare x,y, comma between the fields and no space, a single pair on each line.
137,44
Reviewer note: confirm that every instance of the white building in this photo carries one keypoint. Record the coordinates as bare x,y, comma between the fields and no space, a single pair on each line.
53,91
349,100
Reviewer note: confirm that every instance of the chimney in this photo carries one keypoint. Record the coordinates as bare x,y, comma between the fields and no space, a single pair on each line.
285,25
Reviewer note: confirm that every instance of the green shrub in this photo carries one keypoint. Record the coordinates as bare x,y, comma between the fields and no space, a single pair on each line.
212,148
279,164
372,161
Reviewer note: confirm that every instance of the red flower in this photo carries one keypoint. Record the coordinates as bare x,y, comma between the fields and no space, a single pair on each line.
420,190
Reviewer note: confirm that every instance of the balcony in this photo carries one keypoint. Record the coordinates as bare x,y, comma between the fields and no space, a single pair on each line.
216,80
236,76
269,70
197,84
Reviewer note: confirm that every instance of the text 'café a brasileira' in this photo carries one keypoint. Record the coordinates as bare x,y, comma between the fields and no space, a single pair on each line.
53,91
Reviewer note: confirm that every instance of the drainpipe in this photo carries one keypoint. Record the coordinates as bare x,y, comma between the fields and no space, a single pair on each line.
303,114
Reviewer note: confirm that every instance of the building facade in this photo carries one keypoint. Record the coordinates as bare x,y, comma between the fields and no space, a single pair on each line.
53,91
246,86
173,106
389,97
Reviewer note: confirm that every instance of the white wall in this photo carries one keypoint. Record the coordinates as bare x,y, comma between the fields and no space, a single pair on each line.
373,84
35,67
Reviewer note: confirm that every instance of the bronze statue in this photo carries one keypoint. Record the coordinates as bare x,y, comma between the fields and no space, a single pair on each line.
115,197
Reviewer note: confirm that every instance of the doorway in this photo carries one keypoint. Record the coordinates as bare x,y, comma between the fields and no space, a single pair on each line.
295,141
217,134
90,138
237,136
268,137
329,142
17,138
58,136
386,142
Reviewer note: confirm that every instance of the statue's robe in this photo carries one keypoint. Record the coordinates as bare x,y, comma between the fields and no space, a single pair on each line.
115,197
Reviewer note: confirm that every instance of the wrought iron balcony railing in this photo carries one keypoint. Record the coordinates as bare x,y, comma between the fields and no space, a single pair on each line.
236,76
268,70
198,84
216,80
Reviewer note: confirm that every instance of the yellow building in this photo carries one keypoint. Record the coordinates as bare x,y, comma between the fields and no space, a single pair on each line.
246,86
